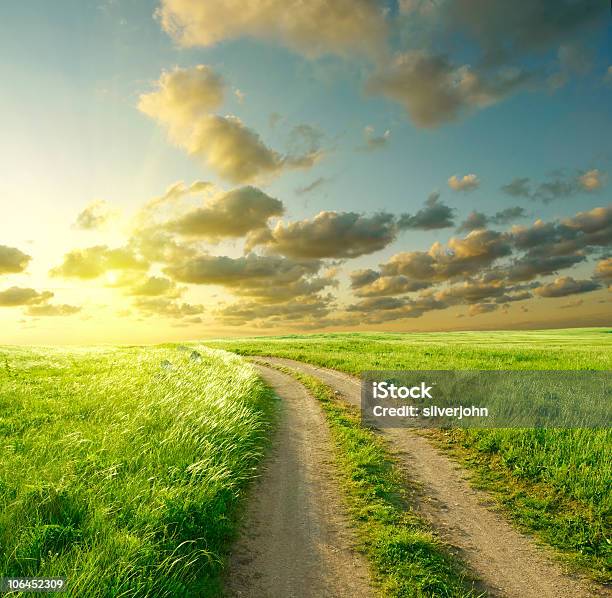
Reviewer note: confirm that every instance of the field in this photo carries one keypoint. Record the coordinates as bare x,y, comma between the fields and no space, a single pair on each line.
555,483
122,469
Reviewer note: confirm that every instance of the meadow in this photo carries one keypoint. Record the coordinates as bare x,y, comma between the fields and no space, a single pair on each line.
554,483
123,469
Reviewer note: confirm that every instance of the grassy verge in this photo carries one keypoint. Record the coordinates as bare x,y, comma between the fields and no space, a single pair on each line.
122,469
564,499
554,483
406,558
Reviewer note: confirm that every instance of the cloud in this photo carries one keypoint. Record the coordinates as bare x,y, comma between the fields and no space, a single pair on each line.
435,91
329,235
374,142
553,246
573,58
360,278
316,184
461,257
12,260
237,153
518,187
92,262
433,216
482,308
271,277
184,101
558,187
299,311
476,220
592,180
530,266
154,286
466,183
162,306
386,309
157,245
603,270
508,215
16,296
566,285
504,31
231,214
53,310
318,27
385,286
570,304
95,216
183,96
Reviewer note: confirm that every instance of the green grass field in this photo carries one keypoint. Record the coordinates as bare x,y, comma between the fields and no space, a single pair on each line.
555,483
122,469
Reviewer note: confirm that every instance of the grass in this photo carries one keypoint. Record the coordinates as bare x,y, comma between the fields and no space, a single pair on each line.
123,469
554,483
406,558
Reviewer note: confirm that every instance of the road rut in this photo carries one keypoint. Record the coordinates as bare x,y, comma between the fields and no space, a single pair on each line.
508,563
296,541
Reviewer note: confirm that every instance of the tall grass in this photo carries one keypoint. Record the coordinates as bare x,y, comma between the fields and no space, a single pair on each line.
555,483
122,469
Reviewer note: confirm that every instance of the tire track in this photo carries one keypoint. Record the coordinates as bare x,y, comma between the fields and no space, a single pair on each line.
296,541
508,563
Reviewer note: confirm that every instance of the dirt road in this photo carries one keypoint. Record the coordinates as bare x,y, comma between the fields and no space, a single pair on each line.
507,562
296,542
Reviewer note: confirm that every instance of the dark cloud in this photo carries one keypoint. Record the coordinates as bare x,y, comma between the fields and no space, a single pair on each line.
231,214
476,220
435,91
329,235
12,260
95,216
163,306
360,278
299,311
505,30
373,142
482,308
532,266
154,286
316,184
519,187
508,215
253,275
16,296
53,310
558,187
566,285
433,216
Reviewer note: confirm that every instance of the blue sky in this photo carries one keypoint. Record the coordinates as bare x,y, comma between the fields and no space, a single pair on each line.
73,132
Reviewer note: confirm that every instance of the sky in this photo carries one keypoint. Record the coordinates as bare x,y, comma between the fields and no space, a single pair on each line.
180,169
